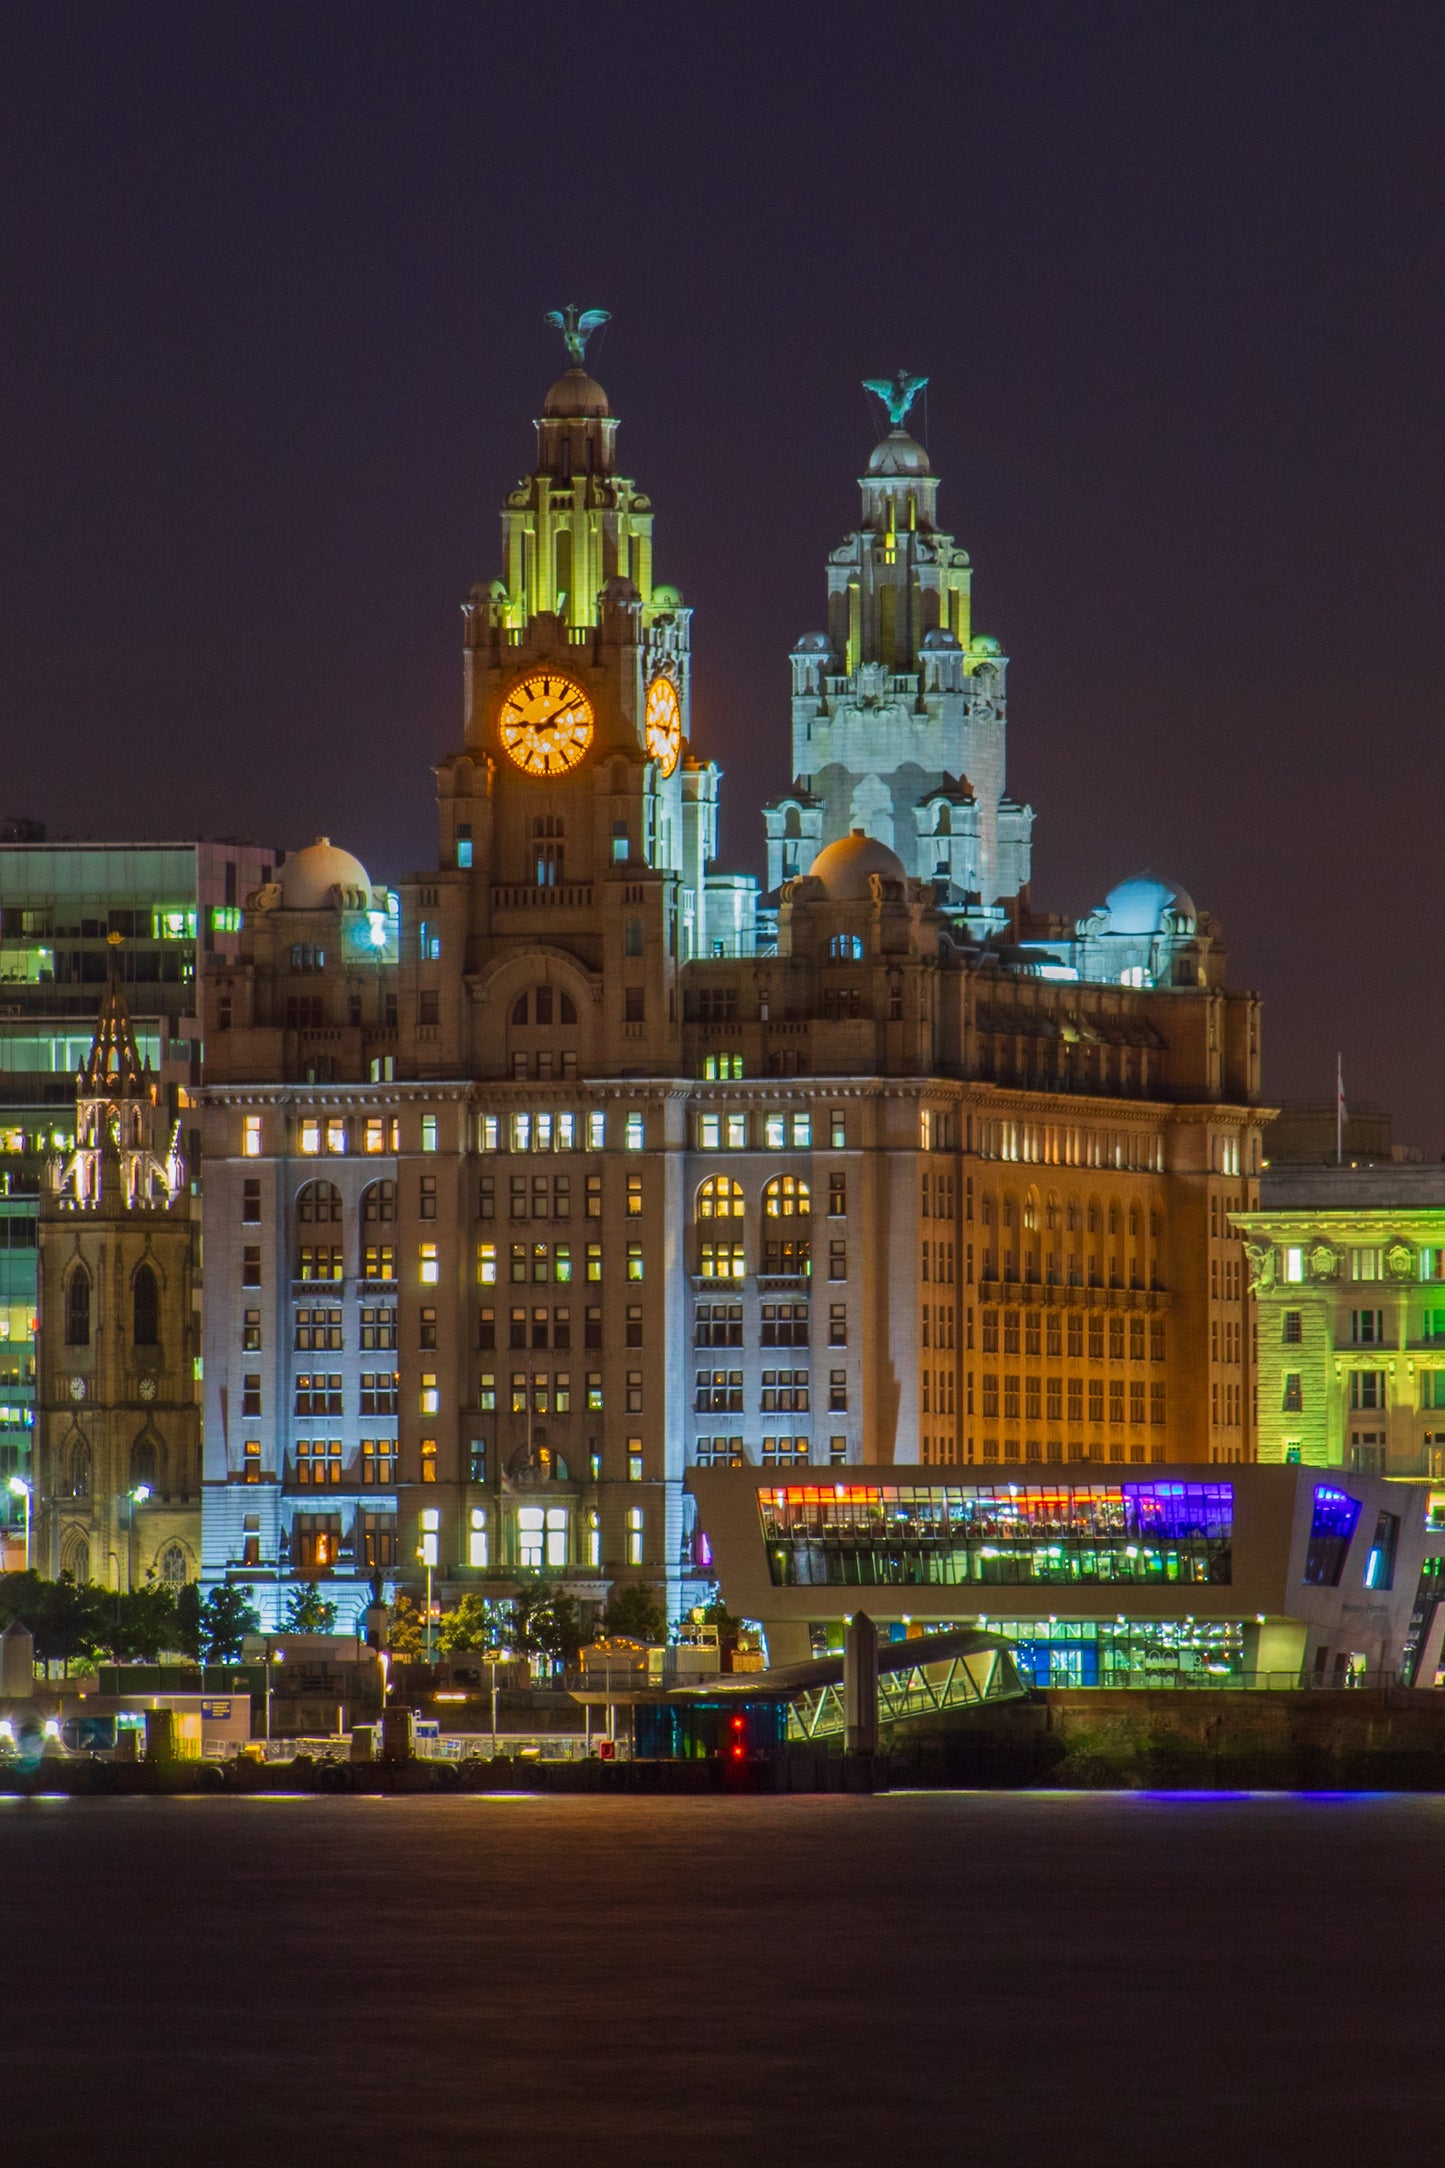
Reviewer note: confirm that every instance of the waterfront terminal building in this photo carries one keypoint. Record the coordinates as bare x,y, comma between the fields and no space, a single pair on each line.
574,1163
1178,1576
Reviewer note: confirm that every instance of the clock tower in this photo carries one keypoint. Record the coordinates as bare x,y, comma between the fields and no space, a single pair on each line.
575,816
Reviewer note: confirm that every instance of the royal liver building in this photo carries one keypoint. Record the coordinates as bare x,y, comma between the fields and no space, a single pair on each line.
899,708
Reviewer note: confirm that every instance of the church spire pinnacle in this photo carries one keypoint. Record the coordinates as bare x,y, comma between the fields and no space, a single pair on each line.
114,1065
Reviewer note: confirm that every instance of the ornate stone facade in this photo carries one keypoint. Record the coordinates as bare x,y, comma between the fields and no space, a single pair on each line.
117,1414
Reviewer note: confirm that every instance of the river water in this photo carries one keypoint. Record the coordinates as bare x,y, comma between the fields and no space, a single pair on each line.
995,1978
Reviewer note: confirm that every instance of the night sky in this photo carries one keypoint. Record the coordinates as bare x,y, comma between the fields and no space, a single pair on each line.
273,282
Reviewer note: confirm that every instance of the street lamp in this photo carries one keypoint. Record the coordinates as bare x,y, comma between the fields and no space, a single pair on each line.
19,1488
136,1496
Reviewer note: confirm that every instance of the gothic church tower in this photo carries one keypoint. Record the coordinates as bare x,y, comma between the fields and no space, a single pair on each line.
118,1443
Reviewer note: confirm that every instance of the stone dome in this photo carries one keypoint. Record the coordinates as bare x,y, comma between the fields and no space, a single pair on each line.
899,453
574,397
940,640
846,867
813,643
666,597
1138,905
309,876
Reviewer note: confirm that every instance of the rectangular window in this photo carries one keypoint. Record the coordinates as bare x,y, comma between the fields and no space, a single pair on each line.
634,1260
478,1546
635,1531
251,1136
634,1392
837,1260
1292,1328
594,1392
309,1138
634,1196
634,1135
594,1260
487,1392
634,1009
486,1264
430,1396
1364,1263
428,1265
428,1460
428,1132
1367,1327
1293,1401
775,1132
1367,1388
251,1267
596,1129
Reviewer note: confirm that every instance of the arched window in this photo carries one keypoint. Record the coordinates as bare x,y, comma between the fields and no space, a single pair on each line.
1051,1209
173,1566
787,1196
145,1300
544,1005
144,1464
319,1205
378,1203
378,1251
847,946
1031,1210
77,1308
720,1198
75,1558
77,1475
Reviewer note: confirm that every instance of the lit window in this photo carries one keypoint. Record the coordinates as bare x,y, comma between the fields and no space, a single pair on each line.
464,847
431,1399
487,1392
374,1136
428,1460
251,1136
594,1539
310,1138
1294,1266
225,918
634,1535
634,1137
775,1131
709,1132
489,1133
566,1132
478,1547
596,1130
429,1523
634,1460
634,1260
802,1132
594,1391
925,1129
428,1132
594,1260
429,1271
838,1130
634,1196
336,1136
521,1132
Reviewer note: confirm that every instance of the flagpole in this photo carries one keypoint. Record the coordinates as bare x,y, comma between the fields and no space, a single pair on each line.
1339,1110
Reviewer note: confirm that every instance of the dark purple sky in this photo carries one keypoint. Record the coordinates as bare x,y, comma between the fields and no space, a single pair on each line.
271,347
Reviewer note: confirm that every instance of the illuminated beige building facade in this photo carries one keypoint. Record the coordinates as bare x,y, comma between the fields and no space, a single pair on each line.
574,1162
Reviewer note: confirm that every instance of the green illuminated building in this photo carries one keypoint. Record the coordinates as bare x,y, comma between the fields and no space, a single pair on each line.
1348,1274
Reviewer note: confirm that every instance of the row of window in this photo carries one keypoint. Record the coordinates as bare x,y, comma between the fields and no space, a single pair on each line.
1397,1260
541,1537
1054,1332
1368,1389
1368,1329
1061,1144
1063,1399
720,1392
773,1452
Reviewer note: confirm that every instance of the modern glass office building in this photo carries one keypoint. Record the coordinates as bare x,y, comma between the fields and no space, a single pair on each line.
61,905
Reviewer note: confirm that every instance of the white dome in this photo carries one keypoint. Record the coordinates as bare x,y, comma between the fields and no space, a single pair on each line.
1138,904
846,867
309,876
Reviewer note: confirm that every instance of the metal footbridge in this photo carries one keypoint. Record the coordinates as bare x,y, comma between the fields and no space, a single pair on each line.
962,1669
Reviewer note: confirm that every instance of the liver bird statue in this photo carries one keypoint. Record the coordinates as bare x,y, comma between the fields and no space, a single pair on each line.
577,326
897,393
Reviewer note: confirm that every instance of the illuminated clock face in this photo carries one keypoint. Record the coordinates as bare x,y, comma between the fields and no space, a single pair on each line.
546,723
664,724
